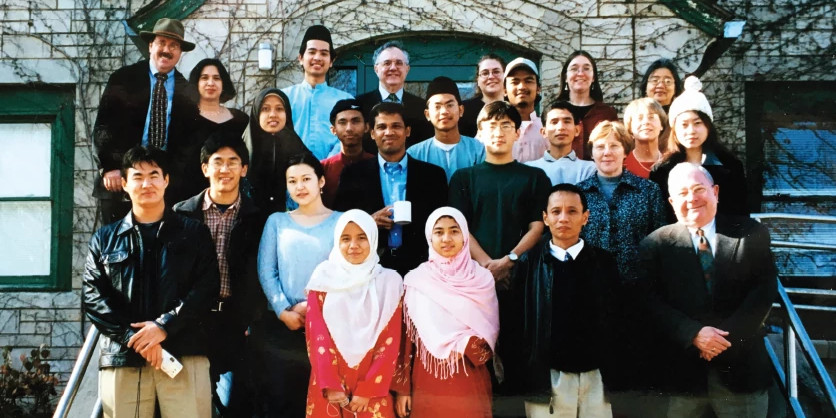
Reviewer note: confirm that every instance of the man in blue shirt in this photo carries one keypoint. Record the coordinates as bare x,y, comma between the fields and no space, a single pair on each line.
125,117
311,100
448,149
560,162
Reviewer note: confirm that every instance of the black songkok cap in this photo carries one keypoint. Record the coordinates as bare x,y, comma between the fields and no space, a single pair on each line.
319,33
443,85
343,105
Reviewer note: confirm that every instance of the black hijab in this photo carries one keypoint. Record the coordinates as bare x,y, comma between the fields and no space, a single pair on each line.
270,153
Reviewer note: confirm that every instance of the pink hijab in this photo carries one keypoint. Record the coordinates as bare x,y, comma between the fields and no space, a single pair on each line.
447,301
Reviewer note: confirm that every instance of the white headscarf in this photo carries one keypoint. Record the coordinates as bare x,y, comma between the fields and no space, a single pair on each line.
361,297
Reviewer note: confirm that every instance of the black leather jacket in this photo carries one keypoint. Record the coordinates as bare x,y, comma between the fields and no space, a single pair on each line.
188,284
247,302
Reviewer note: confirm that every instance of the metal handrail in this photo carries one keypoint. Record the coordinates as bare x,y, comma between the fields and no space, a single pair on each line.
795,217
77,375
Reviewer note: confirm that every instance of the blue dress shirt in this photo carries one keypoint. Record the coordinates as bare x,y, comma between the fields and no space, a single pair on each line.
311,108
169,92
393,185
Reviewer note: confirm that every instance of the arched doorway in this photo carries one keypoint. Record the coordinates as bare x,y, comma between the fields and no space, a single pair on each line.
431,54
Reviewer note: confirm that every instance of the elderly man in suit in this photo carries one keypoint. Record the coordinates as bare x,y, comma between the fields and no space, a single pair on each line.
391,64
146,103
374,185
710,282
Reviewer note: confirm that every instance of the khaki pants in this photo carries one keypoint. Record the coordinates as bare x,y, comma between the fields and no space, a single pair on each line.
127,392
573,395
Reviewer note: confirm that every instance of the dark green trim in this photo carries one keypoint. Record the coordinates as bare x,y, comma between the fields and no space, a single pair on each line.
704,14
53,104
26,199
146,17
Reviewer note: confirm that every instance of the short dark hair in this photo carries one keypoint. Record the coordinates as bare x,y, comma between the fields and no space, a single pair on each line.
569,188
308,159
655,65
496,110
558,104
222,139
227,89
149,155
389,108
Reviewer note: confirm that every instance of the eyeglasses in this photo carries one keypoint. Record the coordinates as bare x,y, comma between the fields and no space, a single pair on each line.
396,63
232,165
503,127
496,72
667,81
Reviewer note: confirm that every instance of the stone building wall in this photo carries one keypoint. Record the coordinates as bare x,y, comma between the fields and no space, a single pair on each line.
80,42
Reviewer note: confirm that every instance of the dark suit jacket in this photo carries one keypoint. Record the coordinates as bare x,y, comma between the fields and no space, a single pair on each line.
414,106
426,188
121,120
745,285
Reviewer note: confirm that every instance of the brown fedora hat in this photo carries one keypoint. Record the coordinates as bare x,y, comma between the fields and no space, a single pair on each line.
170,28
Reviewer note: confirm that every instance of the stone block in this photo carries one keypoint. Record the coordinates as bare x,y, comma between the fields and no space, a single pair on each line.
653,9
41,315
9,321
27,328
24,46
83,186
29,340
616,9
66,4
51,21
607,31
84,219
66,334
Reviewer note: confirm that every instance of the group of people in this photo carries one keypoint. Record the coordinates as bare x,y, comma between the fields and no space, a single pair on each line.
391,255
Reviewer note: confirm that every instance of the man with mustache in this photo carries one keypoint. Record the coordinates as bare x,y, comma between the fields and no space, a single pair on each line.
522,90
391,64
312,99
146,103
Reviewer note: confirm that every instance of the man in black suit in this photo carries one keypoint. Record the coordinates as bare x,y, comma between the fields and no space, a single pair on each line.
391,64
374,185
125,117
710,282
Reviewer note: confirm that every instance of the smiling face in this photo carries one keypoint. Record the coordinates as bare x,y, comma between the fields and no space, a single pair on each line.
447,237
224,171
691,132
391,68
580,74
164,53
389,133
559,127
303,185
608,154
565,218
272,116
498,135
354,244
660,86
145,184
443,111
646,126
349,127
693,197
490,77
521,87
210,84
317,58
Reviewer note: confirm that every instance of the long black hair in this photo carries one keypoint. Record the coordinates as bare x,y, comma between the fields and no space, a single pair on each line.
594,90
655,65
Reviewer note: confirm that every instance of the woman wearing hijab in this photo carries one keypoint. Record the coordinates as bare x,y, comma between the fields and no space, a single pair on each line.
353,325
271,141
452,321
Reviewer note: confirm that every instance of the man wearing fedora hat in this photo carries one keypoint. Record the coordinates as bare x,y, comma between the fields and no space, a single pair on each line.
146,103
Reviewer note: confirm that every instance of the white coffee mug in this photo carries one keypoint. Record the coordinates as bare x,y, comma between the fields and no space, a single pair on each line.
402,212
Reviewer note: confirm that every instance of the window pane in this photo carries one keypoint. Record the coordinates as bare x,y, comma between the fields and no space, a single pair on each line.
802,159
26,158
25,231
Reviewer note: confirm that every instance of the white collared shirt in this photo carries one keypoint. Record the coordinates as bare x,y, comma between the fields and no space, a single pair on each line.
560,253
710,231
385,94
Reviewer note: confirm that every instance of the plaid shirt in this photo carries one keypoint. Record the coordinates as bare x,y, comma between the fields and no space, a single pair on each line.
220,225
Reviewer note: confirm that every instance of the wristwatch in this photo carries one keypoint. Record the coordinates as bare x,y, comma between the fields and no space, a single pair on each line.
513,256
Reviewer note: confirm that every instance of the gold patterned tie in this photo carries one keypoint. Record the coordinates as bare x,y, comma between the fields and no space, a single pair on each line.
159,103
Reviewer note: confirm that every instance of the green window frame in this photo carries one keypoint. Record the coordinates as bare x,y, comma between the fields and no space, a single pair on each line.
53,105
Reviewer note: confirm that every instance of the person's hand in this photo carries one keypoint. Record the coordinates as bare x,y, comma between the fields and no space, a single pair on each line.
501,271
292,320
383,217
711,342
358,404
403,405
153,355
112,180
336,397
301,308
149,334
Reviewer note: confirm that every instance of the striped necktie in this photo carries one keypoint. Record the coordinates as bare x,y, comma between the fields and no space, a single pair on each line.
706,259
159,103
393,98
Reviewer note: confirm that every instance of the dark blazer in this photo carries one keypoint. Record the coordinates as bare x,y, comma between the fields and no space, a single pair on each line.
121,120
744,287
247,301
414,106
426,188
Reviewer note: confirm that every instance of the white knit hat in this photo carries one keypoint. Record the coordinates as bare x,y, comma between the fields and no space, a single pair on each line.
691,99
